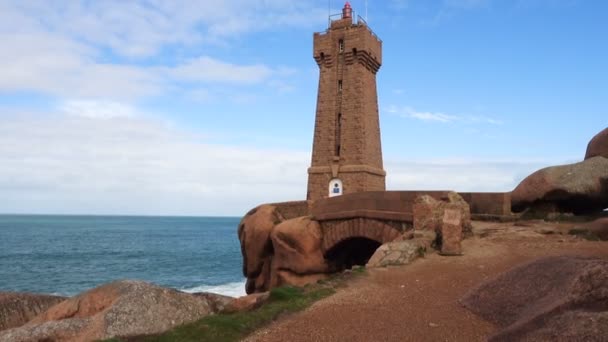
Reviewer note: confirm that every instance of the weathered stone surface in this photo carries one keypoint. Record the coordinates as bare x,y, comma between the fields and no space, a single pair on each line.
297,250
247,303
285,277
451,231
428,212
545,300
217,302
397,253
256,246
17,308
598,146
337,231
355,156
123,308
579,188
597,229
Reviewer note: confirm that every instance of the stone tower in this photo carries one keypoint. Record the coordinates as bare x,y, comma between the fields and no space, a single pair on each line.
346,152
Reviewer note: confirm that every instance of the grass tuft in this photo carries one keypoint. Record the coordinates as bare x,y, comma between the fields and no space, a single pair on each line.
235,326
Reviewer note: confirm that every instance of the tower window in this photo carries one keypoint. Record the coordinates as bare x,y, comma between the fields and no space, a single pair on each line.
340,85
338,133
341,45
354,51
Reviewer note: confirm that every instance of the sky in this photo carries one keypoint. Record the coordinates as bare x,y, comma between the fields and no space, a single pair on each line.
170,107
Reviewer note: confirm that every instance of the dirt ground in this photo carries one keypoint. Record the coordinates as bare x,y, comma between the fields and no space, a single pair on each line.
419,302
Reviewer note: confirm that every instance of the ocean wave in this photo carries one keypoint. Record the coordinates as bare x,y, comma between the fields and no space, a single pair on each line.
235,289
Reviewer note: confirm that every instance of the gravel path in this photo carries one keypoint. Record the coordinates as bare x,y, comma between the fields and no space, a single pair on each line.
419,302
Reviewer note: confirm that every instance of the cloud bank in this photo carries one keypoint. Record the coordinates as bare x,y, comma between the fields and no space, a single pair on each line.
94,163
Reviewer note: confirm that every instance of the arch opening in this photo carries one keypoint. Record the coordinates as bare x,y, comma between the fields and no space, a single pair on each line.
351,252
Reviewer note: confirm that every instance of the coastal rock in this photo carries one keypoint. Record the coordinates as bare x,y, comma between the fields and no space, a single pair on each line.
17,308
597,229
297,246
428,212
298,257
579,188
286,277
397,253
122,308
598,146
247,303
217,302
545,300
256,246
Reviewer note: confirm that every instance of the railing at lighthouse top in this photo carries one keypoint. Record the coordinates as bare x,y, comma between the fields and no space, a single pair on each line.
357,20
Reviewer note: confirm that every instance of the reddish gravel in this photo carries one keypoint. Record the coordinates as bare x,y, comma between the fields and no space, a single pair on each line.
419,302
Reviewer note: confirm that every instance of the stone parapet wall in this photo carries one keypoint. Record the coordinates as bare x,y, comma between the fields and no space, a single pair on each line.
292,209
398,205
488,203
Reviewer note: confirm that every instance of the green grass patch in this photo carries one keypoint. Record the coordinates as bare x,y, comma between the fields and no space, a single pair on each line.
235,326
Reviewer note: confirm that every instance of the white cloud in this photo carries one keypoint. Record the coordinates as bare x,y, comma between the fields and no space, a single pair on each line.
131,164
142,28
467,174
134,165
98,109
69,49
207,69
54,65
411,113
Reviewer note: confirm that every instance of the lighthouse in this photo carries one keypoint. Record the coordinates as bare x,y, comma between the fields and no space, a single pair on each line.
347,151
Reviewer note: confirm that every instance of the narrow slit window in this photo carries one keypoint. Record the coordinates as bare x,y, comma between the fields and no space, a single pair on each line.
340,86
341,45
338,133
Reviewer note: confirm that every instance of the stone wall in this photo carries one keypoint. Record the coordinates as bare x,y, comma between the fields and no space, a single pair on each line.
293,209
398,205
488,203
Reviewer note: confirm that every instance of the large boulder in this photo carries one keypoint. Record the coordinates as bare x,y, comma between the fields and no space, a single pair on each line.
256,246
397,253
551,299
598,146
578,188
122,308
428,212
298,252
17,308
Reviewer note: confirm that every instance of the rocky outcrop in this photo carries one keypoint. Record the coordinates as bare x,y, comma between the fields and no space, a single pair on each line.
297,247
428,212
18,308
598,146
596,230
122,308
397,253
256,246
247,303
579,188
553,298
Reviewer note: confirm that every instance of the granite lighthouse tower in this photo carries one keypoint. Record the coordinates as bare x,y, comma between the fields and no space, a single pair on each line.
347,153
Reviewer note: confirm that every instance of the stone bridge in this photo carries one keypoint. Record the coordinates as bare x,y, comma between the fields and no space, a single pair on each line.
379,216
382,216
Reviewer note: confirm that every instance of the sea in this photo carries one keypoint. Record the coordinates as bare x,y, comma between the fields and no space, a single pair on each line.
65,255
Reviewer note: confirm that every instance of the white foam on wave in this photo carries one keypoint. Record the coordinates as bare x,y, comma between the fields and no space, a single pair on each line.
235,289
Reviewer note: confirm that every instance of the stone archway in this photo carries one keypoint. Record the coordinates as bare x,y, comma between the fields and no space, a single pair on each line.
350,252
352,242
336,231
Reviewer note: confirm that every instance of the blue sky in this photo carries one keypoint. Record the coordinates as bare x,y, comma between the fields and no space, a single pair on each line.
207,107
